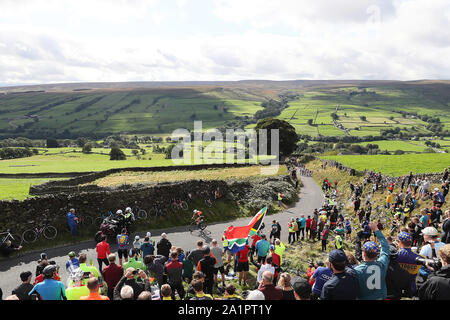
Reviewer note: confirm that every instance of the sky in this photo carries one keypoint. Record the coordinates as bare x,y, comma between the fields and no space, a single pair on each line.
57,41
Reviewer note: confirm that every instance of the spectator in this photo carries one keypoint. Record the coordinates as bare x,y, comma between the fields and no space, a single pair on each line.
324,238
148,249
319,278
217,253
270,291
82,259
285,284
166,292
112,275
22,291
7,248
302,288
197,285
279,249
445,237
72,221
407,259
164,246
145,295
188,270
275,231
308,227
122,245
372,271
261,267
93,287
352,261
197,254
437,287
262,248
230,293
126,293
49,289
242,264
398,282
206,265
76,289
291,227
41,265
190,292
255,295
73,262
174,272
313,230
129,280
40,277
155,267
343,285
135,262
301,226
137,243
102,252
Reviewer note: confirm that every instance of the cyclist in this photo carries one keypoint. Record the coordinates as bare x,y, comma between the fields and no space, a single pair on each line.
198,216
49,289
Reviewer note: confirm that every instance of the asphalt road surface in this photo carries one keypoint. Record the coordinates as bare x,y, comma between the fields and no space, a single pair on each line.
310,197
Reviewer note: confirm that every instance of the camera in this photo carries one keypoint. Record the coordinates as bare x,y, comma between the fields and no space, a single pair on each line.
86,275
136,271
434,263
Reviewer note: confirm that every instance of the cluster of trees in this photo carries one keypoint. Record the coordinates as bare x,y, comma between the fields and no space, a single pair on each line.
21,142
272,108
14,153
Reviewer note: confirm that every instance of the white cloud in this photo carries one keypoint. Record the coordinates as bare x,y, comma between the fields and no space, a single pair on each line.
300,39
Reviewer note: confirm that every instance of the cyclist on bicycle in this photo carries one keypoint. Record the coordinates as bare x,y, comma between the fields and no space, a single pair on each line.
198,216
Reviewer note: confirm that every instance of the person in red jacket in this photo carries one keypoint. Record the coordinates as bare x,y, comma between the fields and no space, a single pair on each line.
242,265
103,252
313,229
270,291
308,227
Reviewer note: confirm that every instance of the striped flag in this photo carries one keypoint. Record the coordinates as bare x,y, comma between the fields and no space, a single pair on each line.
237,236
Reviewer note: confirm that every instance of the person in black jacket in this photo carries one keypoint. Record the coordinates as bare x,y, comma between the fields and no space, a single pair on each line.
155,267
22,291
437,287
206,265
128,279
398,280
164,246
445,237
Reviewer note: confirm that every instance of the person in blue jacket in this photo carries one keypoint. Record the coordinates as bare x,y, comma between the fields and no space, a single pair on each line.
72,221
372,271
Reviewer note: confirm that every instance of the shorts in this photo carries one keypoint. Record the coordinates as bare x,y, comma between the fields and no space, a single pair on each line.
221,269
122,252
242,266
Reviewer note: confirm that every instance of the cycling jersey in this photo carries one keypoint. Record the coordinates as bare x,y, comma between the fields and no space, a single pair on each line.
202,296
75,293
407,260
122,241
50,289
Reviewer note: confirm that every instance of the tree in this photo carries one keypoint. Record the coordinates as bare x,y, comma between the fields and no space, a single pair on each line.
87,148
287,136
310,122
363,118
52,143
117,154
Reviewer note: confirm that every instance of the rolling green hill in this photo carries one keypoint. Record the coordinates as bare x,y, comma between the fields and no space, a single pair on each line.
98,110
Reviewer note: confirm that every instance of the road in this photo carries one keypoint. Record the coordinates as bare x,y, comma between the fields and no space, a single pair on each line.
310,197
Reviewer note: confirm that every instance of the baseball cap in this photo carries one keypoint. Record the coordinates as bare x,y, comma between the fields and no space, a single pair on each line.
404,236
301,287
337,256
25,275
371,247
71,254
430,231
393,252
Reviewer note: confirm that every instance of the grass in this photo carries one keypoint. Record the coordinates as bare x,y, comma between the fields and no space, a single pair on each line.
18,189
181,175
396,165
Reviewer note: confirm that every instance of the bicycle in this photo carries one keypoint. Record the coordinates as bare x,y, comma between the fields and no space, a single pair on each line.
45,229
14,238
99,220
84,221
201,225
140,213
158,210
179,204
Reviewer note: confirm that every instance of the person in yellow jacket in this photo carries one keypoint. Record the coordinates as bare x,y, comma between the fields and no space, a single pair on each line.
279,249
292,225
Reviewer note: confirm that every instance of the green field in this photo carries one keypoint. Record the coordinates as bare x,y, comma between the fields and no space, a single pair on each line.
396,165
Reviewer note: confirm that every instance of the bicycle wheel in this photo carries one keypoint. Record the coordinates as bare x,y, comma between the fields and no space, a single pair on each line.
88,221
50,232
98,221
162,212
153,212
29,236
184,205
16,239
142,214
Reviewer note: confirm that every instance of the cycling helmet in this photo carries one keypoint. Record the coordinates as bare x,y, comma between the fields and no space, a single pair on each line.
127,209
119,212
49,270
195,210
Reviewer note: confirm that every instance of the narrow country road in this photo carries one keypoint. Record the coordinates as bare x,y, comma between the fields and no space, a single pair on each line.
310,197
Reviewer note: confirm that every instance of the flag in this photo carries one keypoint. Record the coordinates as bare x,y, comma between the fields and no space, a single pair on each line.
237,236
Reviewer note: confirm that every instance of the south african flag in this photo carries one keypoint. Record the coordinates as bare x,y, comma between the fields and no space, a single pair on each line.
237,236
